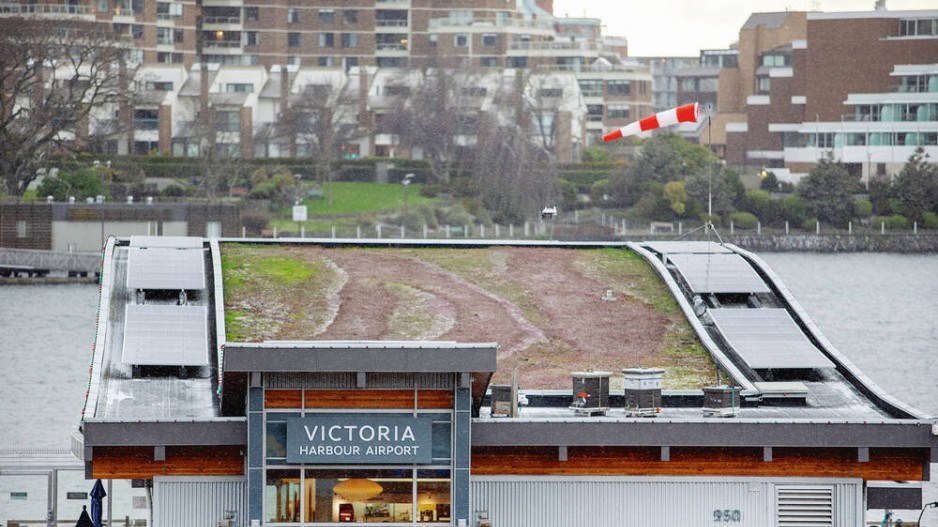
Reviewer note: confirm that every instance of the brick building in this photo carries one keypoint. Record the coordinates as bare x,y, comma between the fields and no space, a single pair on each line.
220,75
819,95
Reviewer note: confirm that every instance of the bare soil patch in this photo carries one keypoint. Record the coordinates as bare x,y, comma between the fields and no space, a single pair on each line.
544,307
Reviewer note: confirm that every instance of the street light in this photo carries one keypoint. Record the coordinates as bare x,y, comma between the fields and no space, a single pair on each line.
406,182
927,505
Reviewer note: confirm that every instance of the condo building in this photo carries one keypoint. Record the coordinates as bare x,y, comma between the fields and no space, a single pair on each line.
221,75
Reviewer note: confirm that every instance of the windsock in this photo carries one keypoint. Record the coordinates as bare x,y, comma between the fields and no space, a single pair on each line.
682,114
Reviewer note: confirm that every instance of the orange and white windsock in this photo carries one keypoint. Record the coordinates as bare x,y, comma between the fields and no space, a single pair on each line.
689,113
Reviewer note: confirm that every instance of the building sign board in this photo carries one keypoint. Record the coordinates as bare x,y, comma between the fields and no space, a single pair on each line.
359,439
299,213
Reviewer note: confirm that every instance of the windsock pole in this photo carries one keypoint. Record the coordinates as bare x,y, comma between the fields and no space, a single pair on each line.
689,113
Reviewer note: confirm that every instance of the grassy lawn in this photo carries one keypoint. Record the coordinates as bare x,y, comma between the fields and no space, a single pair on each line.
358,198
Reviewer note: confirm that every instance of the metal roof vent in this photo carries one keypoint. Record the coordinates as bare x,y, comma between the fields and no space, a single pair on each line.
591,392
642,391
721,401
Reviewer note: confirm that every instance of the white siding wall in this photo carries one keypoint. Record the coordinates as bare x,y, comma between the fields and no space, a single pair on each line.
647,502
192,501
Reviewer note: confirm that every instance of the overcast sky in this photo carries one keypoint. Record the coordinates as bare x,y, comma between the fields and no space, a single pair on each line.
681,28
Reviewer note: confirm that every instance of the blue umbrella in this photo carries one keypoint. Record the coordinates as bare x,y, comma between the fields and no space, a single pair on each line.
84,520
97,494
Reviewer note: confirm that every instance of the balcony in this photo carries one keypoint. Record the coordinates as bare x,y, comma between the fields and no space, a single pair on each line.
390,23
220,20
146,124
486,24
46,9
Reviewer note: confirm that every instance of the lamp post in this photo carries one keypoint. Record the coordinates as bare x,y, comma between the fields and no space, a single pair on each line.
97,165
406,182
918,522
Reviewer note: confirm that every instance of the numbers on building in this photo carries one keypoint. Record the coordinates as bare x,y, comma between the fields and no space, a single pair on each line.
726,515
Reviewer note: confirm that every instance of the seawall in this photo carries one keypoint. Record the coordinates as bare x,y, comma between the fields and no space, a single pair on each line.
831,243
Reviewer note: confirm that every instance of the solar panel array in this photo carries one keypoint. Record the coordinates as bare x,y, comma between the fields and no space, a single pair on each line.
687,247
768,338
165,335
718,273
173,242
162,268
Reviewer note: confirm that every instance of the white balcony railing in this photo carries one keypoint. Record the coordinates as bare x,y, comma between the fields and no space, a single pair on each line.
45,9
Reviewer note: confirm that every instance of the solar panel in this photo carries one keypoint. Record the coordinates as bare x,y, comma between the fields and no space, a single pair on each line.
687,247
768,338
718,273
161,268
170,242
165,335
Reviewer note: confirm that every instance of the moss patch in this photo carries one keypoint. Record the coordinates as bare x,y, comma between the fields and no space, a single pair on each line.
274,292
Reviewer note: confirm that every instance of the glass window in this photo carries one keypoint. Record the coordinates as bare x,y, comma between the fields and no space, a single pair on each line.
239,87
325,62
708,84
137,31
21,229
488,62
228,121
364,495
293,40
489,40
617,111
460,40
350,16
433,496
250,38
293,15
326,16
349,40
327,40
251,14
618,87
282,496
591,88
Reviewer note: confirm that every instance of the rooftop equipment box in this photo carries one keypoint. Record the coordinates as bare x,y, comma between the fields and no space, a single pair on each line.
721,401
642,391
591,392
501,400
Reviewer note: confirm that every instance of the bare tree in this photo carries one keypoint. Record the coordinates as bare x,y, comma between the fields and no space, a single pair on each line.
318,123
52,74
441,116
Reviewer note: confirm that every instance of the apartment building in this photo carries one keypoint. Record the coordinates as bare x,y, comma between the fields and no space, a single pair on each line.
221,74
820,96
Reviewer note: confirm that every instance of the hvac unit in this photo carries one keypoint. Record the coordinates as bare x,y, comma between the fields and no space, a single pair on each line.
642,391
721,401
501,400
591,392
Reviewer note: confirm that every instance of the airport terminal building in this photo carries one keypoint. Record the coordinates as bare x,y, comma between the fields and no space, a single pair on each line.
321,382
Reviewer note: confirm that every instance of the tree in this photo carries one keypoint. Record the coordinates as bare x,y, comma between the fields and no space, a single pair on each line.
915,186
52,74
657,161
699,188
828,190
318,123
676,195
439,116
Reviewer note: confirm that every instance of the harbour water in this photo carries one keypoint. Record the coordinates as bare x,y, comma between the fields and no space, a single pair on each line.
877,309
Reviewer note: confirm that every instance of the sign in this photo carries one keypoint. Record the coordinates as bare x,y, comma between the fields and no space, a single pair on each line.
365,439
299,213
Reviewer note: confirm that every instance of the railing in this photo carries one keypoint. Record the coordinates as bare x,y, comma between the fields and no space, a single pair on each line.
45,9
146,124
491,22
391,47
223,44
391,23
540,46
221,20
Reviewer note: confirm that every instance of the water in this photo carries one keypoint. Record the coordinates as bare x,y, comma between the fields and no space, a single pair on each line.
878,310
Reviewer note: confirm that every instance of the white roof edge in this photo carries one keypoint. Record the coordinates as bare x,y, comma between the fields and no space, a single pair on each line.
799,44
758,100
799,99
782,72
784,127
920,13
737,127
367,344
